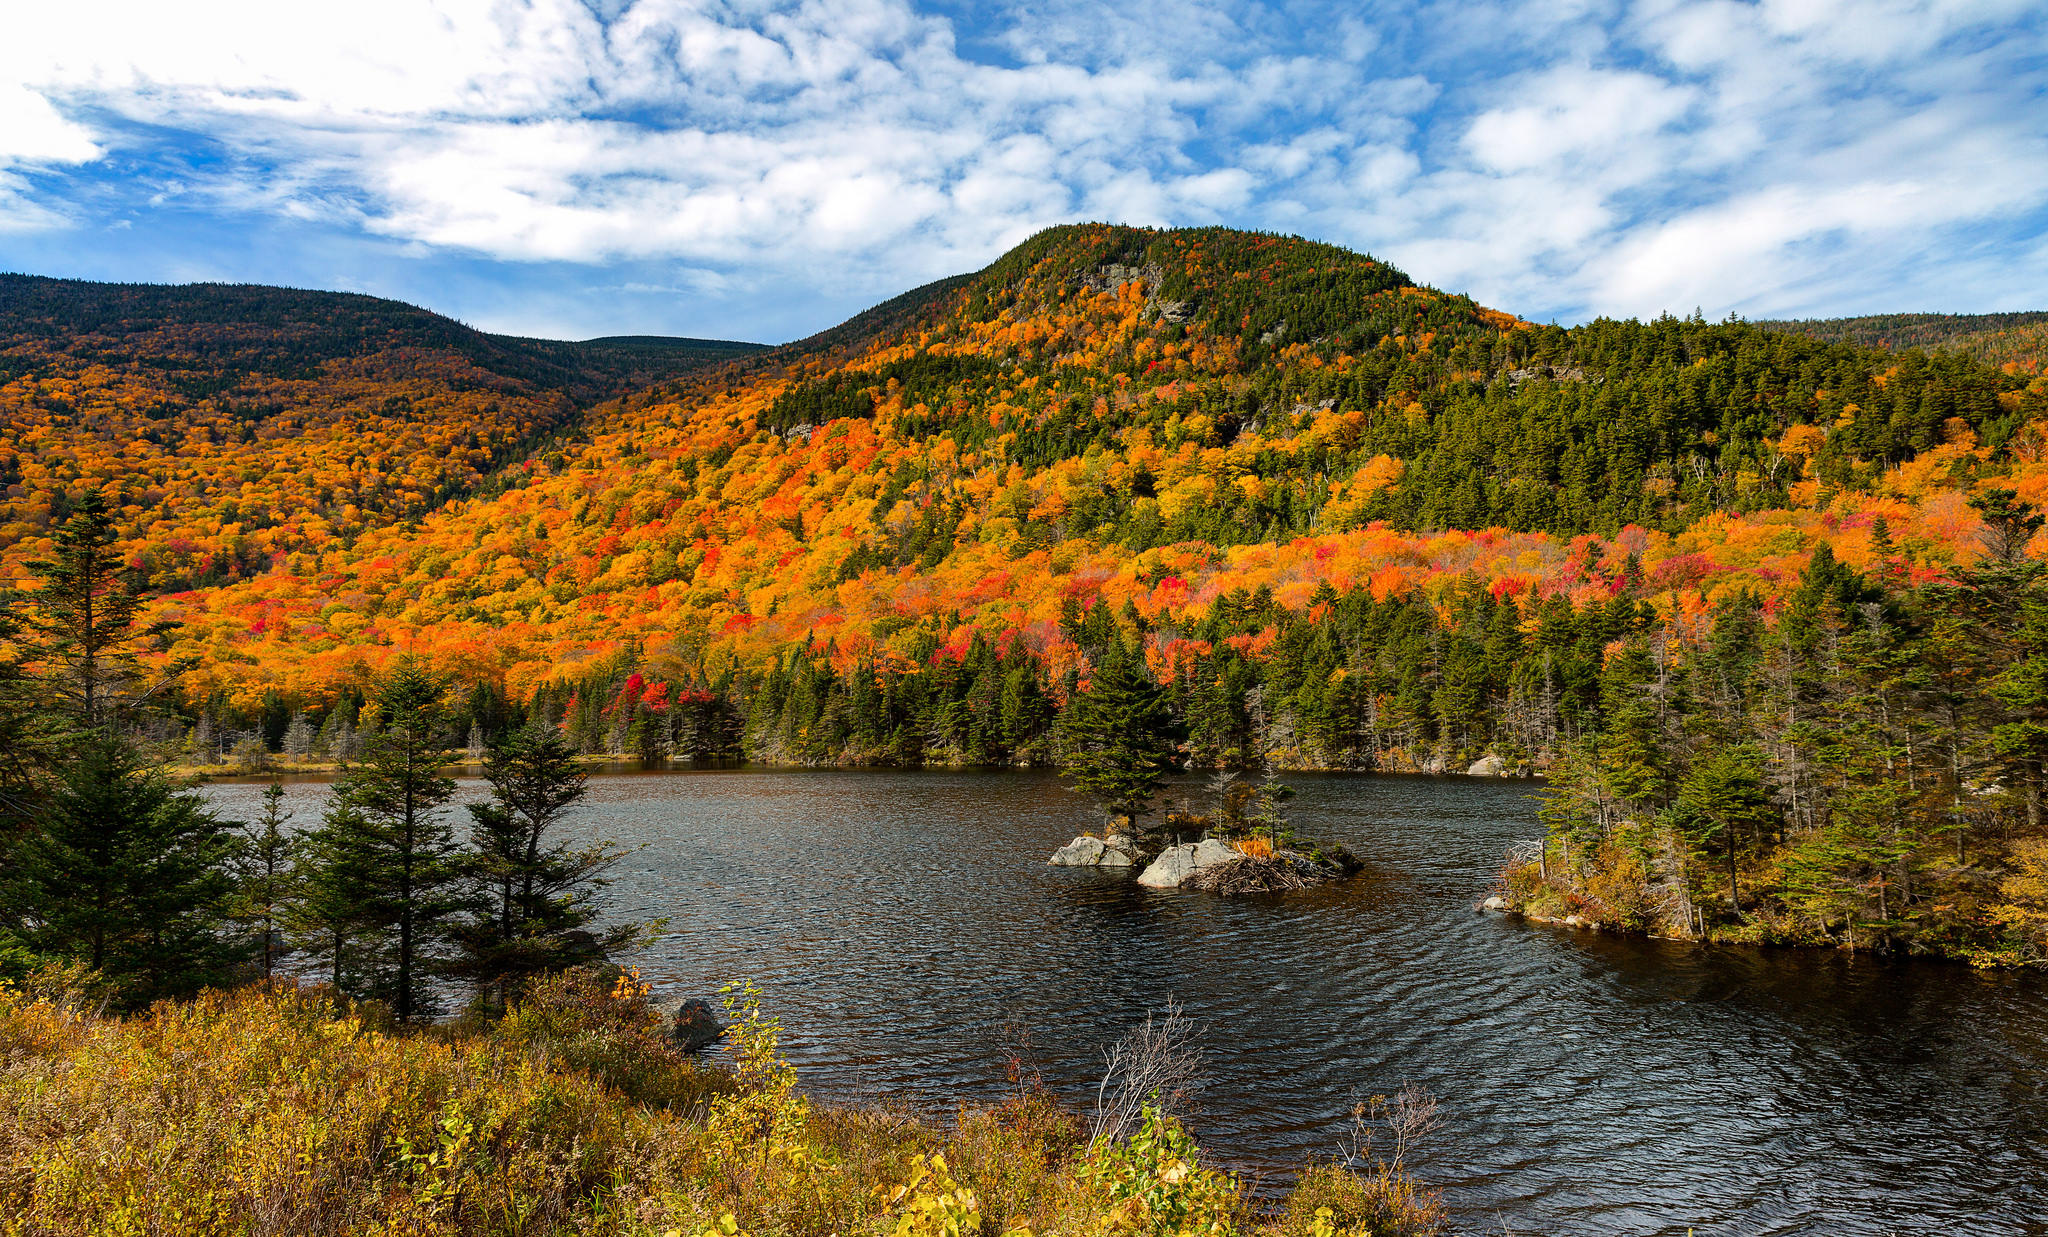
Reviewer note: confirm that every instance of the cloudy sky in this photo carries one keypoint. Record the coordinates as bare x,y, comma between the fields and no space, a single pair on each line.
761,170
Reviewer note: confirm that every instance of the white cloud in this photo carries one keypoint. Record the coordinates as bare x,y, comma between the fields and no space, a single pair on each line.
1576,116
31,131
1600,156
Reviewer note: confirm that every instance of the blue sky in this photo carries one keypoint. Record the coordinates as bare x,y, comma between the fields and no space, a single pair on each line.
763,170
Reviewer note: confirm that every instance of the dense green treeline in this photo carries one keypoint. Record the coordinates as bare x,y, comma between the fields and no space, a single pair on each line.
1902,331
1353,683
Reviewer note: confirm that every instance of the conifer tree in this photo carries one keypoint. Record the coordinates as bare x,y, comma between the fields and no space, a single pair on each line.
1722,807
29,738
394,843
114,865
81,622
535,908
1119,733
329,915
125,874
262,862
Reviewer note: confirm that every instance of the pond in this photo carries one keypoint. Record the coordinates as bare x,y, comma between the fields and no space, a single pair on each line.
907,930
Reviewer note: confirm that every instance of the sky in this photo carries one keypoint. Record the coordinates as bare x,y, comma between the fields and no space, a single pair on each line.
759,170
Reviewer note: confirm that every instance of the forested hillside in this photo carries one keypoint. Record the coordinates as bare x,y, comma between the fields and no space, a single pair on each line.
1345,521
2018,340
238,421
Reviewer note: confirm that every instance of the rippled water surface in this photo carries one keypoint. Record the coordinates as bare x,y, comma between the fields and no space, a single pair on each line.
904,925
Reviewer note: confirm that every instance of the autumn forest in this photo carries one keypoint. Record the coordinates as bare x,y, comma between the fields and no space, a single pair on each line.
1763,602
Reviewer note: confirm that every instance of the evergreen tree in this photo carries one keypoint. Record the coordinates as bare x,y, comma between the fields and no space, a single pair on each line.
262,863
330,915
1722,806
124,874
393,842
535,905
1120,736
30,736
80,622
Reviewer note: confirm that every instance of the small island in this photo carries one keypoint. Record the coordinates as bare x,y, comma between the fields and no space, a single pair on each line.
1122,750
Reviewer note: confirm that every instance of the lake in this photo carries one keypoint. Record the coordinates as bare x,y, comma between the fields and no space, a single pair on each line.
906,929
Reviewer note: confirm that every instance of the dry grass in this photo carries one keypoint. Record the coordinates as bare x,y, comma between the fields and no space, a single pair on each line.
270,1112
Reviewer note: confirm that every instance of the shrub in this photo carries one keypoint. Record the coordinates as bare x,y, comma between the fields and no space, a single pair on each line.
1331,1200
599,1021
265,1109
278,1110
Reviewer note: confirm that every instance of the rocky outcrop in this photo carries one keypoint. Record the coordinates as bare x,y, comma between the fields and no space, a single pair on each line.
1177,863
1487,766
1114,851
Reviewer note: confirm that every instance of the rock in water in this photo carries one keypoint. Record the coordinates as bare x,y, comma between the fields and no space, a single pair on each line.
1495,903
1119,851
1488,766
696,1025
1176,863
1082,852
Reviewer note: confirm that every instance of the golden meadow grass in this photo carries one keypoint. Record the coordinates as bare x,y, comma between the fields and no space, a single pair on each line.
273,1112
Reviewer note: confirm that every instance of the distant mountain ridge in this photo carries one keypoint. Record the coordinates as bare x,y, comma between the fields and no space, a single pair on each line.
1997,339
240,421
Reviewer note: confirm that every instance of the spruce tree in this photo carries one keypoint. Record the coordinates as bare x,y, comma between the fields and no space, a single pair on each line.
535,908
82,622
109,862
393,841
262,862
1722,807
30,737
124,874
1119,731
331,888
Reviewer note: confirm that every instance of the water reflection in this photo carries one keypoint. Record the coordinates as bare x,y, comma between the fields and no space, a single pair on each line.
899,922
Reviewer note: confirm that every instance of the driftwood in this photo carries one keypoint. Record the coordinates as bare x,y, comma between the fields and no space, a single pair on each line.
1280,873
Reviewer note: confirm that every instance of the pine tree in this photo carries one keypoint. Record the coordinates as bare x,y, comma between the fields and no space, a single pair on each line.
125,874
535,906
1119,731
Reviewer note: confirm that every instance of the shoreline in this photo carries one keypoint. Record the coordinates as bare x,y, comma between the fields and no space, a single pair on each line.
312,769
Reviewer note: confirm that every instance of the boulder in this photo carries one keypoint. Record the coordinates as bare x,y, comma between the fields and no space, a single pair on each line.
1176,863
1083,852
696,1025
1119,851
1495,903
1488,766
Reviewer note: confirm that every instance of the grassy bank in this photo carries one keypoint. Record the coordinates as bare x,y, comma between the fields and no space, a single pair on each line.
273,1112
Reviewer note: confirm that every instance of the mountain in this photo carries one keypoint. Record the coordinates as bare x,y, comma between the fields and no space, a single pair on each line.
240,421
1162,419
